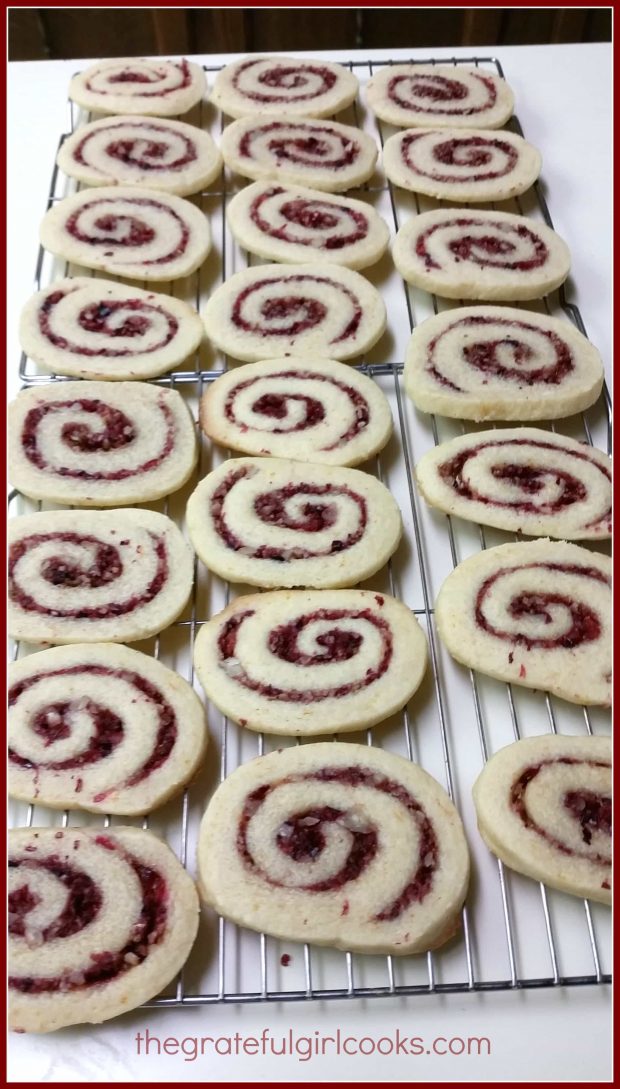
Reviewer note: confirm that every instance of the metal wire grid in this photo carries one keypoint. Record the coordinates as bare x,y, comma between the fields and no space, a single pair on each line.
232,944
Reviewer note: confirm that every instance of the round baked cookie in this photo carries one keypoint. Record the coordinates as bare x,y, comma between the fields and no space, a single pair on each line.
298,408
321,154
166,155
436,95
501,363
102,728
290,223
270,522
91,576
521,479
89,328
544,808
139,234
286,85
336,844
305,662
295,309
99,922
92,444
463,254
461,164
536,614
135,85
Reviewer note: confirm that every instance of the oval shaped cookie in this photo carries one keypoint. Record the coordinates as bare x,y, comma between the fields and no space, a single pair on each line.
166,155
321,154
432,95
480,254
89,576
303,409
295,309
270,522
536,614
99,922
544,808
307,662
336,844
133,85
461,164
143,235
90,444
521,479
291,223
102,728
89,328
501,363
289,85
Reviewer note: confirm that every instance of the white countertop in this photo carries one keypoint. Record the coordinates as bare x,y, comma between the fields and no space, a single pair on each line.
563,100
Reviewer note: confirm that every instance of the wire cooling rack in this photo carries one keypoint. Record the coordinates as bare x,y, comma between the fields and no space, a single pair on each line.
515,933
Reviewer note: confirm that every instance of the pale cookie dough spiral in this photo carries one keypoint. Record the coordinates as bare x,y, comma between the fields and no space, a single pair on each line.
536,614
140,234
339,845
544,807
311,662
99,922
428,96
136,85
255,85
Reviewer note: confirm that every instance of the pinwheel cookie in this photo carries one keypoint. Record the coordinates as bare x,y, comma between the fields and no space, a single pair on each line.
336,844
99,922
464,254
521,479
160,154
139,234
311,662
89,576
500,363
290,223
101,727
536,614
89,328
283,85
429,96
270,522
91,444
544,808
303,409
136,85
297,310
321,154
461,164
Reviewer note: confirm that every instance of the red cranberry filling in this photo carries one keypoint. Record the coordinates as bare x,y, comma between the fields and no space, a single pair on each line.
313,215
302,311
130,75
482,249
285,77
94,319
125,230
471,151
82,904
592,811
146,150
306,145
404,90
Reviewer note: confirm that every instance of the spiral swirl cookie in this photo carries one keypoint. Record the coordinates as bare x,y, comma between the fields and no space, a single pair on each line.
461,164
92,576
143,235
284,85
307,662
535,614
480,255
272,310
435,95
99,922
521,479
501,363
544,808
270,522
160,154
102,728
90,444
290,223
134,85
336,844
303,409
321,154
